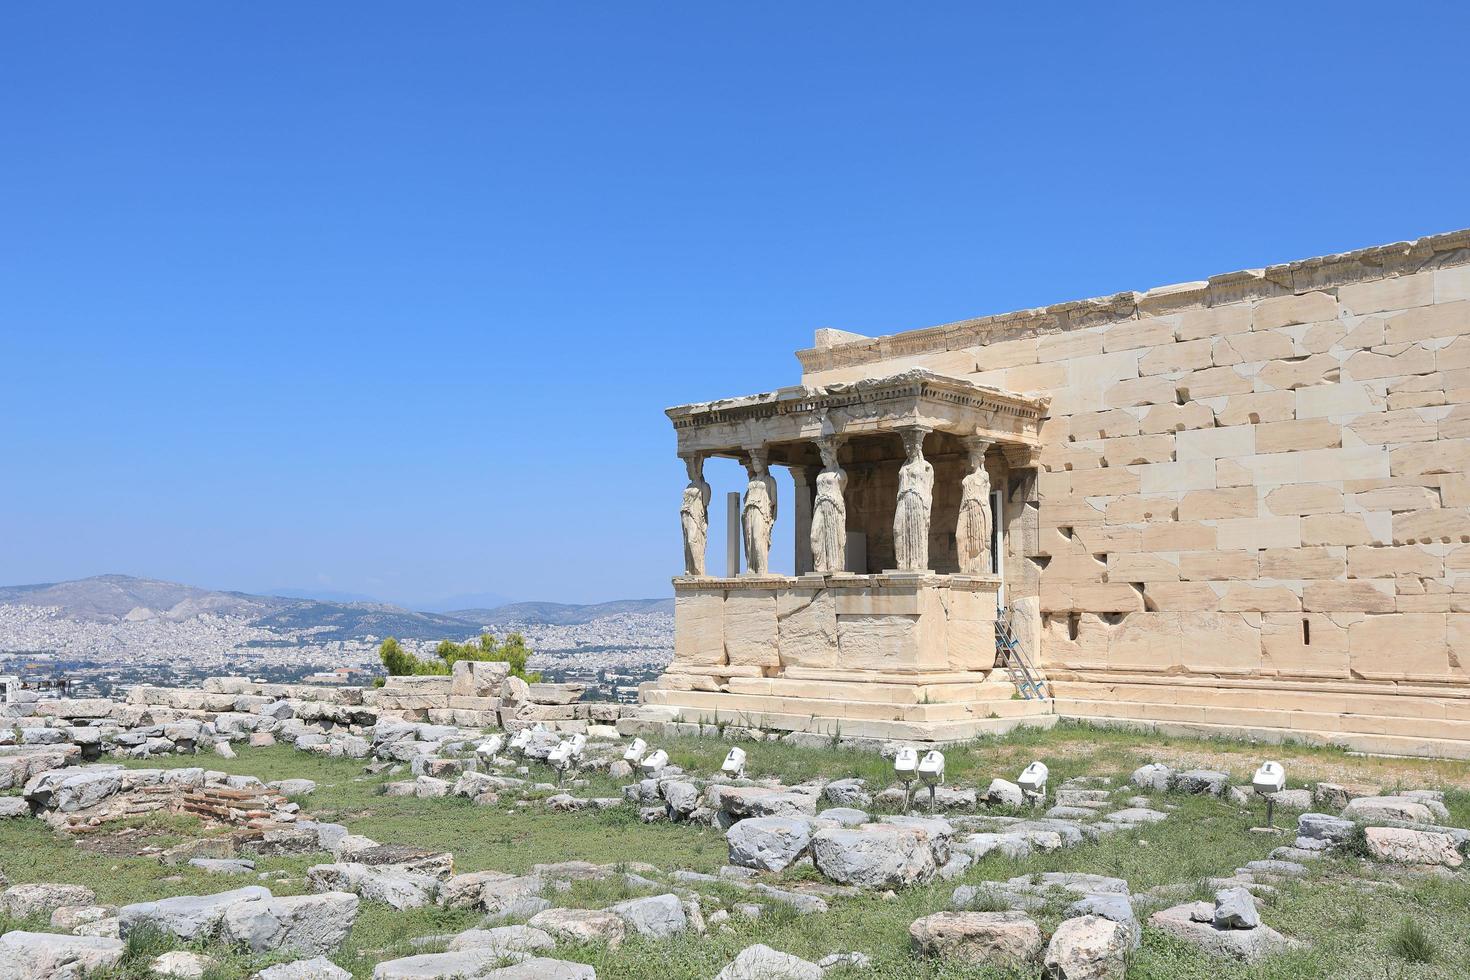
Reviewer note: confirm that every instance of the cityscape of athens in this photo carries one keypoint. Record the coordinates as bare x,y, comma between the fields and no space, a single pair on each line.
822,492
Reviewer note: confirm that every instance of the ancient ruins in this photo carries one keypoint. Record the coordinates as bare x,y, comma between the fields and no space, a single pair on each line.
1239,505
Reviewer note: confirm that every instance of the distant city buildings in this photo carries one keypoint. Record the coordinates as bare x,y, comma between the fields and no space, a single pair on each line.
611,655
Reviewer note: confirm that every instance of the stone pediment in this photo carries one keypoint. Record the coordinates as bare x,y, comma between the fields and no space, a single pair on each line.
800,414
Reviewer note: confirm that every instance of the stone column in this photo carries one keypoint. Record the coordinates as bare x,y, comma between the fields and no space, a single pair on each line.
915,501
694,515
758,514
732,534
972,534
805,480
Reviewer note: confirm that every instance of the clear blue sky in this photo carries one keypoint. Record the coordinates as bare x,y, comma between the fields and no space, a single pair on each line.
389,298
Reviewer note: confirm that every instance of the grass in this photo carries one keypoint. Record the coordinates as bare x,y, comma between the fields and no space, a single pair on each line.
1383,929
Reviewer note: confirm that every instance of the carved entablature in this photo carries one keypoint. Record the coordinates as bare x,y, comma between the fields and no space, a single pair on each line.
790,420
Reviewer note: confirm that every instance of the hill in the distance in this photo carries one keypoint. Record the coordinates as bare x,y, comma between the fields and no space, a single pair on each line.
561,613
124,598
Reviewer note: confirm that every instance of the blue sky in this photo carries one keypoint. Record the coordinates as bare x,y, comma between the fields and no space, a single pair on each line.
388,299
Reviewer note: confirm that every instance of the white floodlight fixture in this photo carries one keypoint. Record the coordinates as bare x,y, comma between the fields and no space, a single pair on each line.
734,764
931,768
654,762
906,768
1268,780
560,758
491,747
520,740
578,742
634,753
1033,781
931,773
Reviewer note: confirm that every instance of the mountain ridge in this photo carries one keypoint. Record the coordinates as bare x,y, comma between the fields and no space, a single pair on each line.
115,598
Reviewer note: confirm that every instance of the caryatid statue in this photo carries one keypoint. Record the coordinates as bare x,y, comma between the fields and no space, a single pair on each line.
829,512
915,498
758,515
694,515
973,532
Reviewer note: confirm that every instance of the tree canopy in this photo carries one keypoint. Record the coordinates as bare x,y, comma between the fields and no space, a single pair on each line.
513,651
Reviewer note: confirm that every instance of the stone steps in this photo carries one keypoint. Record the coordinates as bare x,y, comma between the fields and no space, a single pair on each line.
1345,698
856,719
753,704
1277,719
887,693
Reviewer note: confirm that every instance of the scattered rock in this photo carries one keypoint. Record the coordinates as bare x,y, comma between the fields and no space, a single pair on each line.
1200,782
1155,776
657,917
308,925
981,938
47,956
317,968
1235,908
483,964
1090,947
507,940
181,963
848,793
764,963
581,925
1004,793
1243,944
768,843
388,885
42,899
1402,846
1369,809
223,866
874,856
293,787
188,917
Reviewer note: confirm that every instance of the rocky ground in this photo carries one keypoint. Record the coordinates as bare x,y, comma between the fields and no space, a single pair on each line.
419,850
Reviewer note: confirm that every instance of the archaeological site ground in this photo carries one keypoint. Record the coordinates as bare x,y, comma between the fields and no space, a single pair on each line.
1065,582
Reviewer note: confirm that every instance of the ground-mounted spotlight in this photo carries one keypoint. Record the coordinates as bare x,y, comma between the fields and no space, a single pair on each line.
490,749
1269,780
634,753
931,773
1033,782
654,761
906,768
734,765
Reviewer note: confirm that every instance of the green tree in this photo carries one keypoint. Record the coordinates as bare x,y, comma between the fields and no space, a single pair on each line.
512,651
400,663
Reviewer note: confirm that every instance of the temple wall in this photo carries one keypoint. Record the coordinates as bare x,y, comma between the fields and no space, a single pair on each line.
1259,477
761,626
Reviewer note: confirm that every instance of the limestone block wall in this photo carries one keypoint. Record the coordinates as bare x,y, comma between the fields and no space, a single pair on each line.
751,626
1262,475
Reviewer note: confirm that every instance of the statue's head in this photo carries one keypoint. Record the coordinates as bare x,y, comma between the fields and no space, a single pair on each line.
913,443
827,446
694,465
755,465
976,448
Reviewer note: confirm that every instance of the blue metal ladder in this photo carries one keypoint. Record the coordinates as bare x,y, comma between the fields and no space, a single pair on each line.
1010,656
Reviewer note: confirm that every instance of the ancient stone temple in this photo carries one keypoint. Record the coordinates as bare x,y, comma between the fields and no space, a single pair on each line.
1238,505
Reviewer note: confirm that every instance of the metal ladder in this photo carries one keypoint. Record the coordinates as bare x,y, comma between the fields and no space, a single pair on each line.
1008,652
